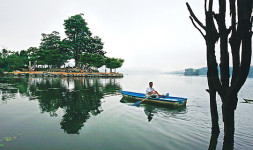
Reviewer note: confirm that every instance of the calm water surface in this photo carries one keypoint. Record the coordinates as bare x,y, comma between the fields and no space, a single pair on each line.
89,113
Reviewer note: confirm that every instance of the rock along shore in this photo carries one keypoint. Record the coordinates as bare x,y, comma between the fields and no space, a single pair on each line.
61,74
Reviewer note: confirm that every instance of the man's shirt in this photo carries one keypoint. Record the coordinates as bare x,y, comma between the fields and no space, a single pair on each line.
150,89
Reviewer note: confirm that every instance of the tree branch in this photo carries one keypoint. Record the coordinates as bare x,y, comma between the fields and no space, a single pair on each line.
212,69
211,39
194,17
210,8
244,30
233,15
197,27
229,30
205,6
234,42
224,56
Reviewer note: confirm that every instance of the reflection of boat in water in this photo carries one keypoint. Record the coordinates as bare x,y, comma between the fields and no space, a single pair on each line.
152,110
248,100
165,101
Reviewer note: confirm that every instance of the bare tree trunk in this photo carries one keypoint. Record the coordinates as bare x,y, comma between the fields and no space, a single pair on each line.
76,59
213,141
229,125
212,73
241,38
214,112
211,38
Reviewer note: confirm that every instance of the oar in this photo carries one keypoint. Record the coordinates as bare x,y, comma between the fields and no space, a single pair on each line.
137,103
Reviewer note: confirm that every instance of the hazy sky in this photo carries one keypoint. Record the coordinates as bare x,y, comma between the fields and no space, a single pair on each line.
151,35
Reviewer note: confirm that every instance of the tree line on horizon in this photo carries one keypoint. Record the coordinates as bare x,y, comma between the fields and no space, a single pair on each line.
203,71
54,52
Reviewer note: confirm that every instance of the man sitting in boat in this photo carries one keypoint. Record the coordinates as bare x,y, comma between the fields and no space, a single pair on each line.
151,92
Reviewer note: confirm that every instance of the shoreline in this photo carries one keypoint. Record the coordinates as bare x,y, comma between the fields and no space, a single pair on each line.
60,74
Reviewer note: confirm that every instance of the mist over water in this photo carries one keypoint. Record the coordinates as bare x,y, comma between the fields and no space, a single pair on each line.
90,113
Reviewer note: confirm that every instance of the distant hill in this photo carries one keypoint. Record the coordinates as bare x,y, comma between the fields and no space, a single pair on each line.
175,72
191,72
251,72
203,71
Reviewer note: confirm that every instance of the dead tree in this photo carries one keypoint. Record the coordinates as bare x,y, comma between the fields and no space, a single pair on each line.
239,36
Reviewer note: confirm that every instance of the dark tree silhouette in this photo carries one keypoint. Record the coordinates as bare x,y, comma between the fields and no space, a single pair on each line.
238,35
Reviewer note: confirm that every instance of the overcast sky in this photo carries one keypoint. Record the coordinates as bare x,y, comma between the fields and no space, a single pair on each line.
151,35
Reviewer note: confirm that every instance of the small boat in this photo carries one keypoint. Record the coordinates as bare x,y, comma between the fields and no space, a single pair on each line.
162,100
248,100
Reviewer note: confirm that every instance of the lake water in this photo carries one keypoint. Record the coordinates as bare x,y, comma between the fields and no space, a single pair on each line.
89,113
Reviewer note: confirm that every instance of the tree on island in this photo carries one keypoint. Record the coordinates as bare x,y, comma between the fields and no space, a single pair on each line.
10,61
24,56
32,54
80,38
240,42
53,51
3,57
113,63
92,60
15,62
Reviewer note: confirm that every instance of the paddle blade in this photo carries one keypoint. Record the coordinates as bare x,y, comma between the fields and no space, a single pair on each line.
137,103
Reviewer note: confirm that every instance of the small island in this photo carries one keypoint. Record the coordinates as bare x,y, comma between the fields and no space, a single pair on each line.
53,53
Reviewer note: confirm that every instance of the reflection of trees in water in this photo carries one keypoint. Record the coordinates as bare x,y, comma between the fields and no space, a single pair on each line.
112,87
9,87
84,99
79,97
48,91
7,94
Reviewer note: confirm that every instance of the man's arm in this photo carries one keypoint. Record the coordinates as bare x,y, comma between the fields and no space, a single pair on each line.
157,93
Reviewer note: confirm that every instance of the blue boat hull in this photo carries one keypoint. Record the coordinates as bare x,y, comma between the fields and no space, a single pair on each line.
172,101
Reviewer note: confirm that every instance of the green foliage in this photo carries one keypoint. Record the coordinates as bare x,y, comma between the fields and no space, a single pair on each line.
32,54
65,51
76,27
4,65
49,45
24,56
2,60
80,38
96,46
94,60
4,53
11,60
98,60
52,50
15,62
1,71
113,63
